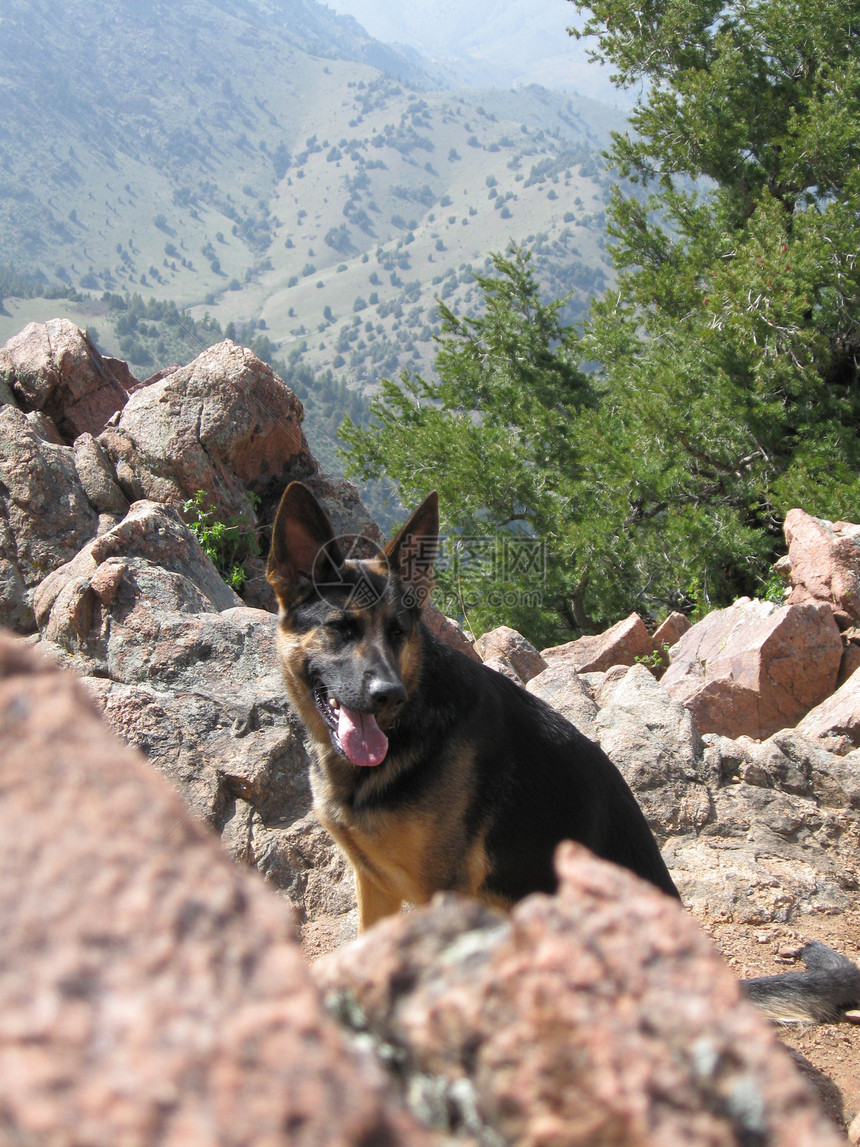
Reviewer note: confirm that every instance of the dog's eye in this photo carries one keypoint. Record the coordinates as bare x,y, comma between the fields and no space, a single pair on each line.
342,626
397,631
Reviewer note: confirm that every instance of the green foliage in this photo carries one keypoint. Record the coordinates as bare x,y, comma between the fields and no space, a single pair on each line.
725,387
508,476
227,544
773,589
729,351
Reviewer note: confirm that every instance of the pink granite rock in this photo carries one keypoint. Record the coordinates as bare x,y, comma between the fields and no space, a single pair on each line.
755,668
621,645
836,721
672,630
825,564
152,992
55,368
506,643
599,1016
224,425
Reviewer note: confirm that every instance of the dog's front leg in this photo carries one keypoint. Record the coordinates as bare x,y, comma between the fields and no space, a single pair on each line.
373,902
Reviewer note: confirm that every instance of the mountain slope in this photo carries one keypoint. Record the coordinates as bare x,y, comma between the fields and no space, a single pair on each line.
209,153
109,110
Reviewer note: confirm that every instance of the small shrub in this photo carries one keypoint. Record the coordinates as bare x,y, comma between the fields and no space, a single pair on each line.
226,544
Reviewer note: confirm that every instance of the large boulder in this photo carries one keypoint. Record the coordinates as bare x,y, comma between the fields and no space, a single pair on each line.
623,644
225,425
185,672
506,643
652,739
648,735
836,721
670,631
784,836
824,564
754,832
54,367
45,513
599,1016
755,667
152,992
569,694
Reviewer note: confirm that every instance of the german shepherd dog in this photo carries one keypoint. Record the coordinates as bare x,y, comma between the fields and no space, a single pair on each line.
430,771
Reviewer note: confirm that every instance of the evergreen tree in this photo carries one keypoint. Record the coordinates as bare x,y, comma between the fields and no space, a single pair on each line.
495,434
728,351
725,384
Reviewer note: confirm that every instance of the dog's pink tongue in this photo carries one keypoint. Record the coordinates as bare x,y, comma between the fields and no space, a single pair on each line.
361,738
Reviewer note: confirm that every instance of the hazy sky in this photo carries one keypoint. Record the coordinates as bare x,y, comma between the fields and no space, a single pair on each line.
489,42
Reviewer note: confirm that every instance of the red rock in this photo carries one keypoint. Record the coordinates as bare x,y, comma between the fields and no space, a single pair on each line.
55,368
224,425
599,1016
506,643
671,631
825,564
152,992
836,721
626,641
755,668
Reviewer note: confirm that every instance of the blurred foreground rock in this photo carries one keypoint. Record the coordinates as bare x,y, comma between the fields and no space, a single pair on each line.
556,1026
151,992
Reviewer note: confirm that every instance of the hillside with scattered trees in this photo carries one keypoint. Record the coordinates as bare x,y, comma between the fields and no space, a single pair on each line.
722,387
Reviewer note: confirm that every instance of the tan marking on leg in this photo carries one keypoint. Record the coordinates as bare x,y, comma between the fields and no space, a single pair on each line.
373,903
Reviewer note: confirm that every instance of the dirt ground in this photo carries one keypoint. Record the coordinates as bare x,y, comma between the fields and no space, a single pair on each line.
829,1054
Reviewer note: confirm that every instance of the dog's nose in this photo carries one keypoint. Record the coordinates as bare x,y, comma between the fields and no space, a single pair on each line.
386,693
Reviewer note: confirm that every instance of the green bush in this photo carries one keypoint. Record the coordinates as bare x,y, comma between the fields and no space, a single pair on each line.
227,544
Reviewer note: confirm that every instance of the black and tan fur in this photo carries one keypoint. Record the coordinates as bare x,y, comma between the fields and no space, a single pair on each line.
480,780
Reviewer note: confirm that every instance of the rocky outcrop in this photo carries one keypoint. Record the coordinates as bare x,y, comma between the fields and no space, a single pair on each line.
96,564
151,990
45,514
187,673
54,368
623,644
225,425
782,840
753,832
836,721
124,594
756,667
824,564
551,1027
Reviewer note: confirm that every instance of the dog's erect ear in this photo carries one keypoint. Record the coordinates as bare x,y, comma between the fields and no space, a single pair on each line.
412,554
303,545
